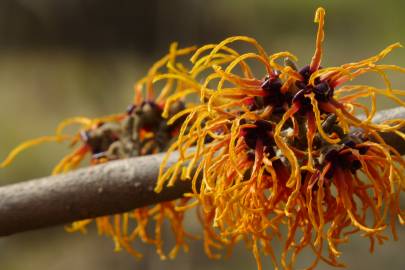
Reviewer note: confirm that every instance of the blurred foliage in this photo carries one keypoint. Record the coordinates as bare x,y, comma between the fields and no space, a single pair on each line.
65,58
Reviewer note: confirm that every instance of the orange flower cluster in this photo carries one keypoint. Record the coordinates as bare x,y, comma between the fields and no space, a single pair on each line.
279,154
276,158
141,130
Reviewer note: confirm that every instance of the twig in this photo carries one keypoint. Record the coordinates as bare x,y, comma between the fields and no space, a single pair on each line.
105,189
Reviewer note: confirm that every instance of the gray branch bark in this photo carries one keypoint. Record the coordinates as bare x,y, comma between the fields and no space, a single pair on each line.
105,189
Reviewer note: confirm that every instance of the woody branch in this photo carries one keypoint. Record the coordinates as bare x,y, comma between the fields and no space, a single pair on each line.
110,188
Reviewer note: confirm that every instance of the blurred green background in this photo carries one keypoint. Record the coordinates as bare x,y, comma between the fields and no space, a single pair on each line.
81,57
